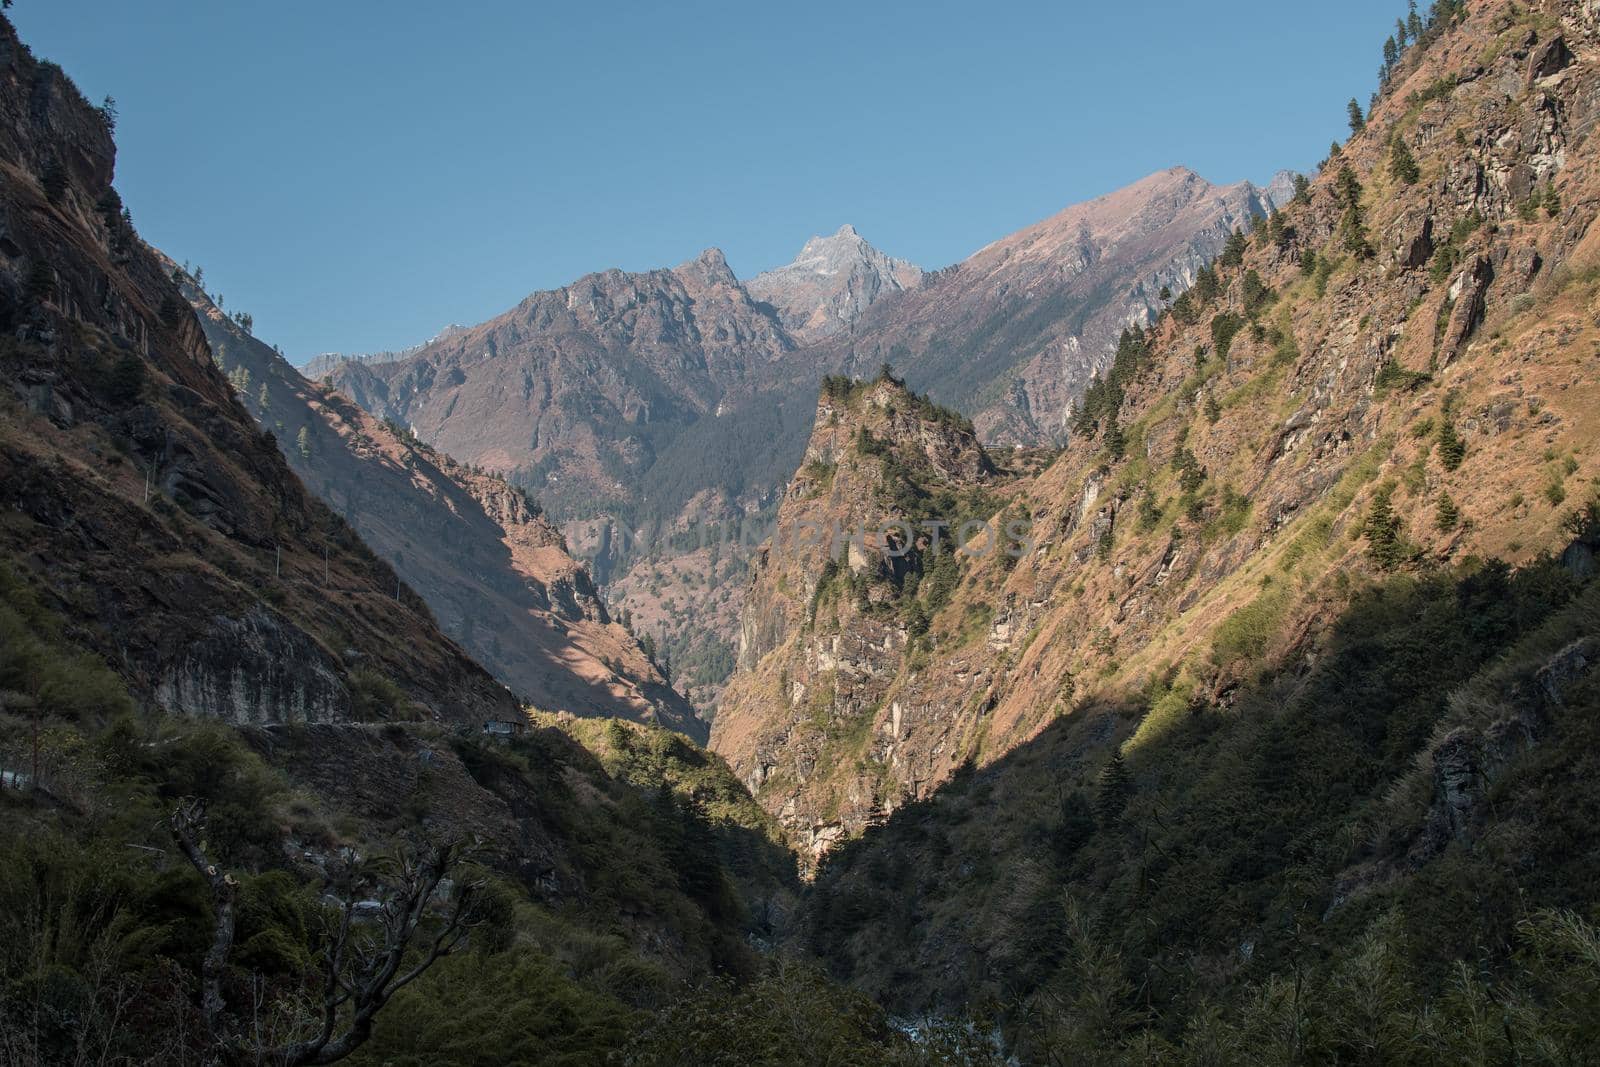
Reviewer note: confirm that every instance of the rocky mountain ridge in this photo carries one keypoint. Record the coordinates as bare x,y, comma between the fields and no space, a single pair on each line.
1014,332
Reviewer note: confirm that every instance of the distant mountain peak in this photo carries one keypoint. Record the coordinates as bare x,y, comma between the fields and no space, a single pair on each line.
710,267
833,280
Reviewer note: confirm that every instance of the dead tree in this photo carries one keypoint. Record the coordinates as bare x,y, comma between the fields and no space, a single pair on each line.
364,954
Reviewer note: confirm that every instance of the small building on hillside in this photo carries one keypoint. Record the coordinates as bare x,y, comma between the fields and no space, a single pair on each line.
505,728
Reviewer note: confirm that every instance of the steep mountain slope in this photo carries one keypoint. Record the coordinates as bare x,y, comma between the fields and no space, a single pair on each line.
831,283
139,495
1014,332
575,392
493,569
1397,369
1261,702
843,590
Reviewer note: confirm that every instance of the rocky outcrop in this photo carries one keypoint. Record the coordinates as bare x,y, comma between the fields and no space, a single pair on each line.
838,598
254,670
1467,297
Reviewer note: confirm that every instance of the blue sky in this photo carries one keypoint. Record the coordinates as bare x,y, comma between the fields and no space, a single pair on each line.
357,175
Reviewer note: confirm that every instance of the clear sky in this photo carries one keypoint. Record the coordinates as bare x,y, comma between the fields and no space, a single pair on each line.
358,174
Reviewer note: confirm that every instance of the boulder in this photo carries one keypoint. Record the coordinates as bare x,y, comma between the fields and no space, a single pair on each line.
1567,668
1551,58
1469,290
1416,244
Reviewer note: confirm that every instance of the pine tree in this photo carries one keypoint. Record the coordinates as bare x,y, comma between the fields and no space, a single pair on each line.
1452,449
263,401
1400,34
1413,21
1302,189
1402,164
1353,225
1358,122
1114,790
302,442
1448,516
1116,443
1233,251
1391,55
1385,546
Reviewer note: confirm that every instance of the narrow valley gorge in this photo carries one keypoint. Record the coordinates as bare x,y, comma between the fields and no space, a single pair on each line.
1169,634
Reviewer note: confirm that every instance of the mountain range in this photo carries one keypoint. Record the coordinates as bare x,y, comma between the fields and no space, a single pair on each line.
1171,634
637,406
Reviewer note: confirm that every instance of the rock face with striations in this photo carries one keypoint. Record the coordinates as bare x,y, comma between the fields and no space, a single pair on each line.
831,283
833,606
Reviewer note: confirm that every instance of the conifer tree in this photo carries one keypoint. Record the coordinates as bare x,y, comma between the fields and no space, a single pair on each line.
1358,122
1452,449
1402,164
1448,516
1385,546
1116,443
1114,790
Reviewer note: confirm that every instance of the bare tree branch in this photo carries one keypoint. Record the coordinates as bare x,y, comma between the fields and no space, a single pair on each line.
358,974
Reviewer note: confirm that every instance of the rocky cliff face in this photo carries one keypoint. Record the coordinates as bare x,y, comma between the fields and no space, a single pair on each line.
1399,369
840,595
831,283
141,497
495,571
